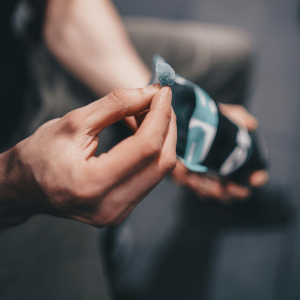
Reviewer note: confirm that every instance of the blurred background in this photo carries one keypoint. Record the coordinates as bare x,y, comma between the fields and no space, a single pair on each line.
185,249
257,263
274,26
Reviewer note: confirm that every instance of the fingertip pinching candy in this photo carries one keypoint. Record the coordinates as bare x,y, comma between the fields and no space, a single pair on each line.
165,73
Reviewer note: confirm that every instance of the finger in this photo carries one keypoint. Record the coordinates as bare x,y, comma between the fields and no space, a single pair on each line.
259,178
140,117
239,115
130,122
114,107
169,146
125,196
235,191
159,115
137,151
200,184
133,123
180,173
206,187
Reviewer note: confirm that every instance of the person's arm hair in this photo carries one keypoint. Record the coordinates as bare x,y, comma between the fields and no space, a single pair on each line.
89,39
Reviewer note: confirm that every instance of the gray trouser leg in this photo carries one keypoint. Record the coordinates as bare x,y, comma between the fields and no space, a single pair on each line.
163,250
218,58
49,258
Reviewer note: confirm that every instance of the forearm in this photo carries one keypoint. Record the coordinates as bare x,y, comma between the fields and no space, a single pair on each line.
13,210
89,39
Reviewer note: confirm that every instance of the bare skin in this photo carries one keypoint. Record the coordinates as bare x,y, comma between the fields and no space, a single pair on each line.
225,191
54,171
89,39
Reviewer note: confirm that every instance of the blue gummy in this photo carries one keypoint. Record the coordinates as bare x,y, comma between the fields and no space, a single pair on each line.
165,73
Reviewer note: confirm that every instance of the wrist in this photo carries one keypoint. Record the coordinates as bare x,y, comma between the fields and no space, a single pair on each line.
13,208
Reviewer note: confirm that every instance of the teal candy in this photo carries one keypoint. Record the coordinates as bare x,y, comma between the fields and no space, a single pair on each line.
165,73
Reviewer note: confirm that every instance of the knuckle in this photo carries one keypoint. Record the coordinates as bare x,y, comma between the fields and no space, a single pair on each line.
69,122
169,164
173,163
151,150
119,93
118,97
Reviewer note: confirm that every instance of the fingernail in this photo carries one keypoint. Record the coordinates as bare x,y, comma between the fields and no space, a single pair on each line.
167,92
152,88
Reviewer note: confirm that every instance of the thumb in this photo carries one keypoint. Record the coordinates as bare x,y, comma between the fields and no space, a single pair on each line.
114,107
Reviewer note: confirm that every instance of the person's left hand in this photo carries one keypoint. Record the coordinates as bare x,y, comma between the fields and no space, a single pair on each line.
206,186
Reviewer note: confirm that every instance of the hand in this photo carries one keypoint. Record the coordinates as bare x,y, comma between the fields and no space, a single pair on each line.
54,171
206,186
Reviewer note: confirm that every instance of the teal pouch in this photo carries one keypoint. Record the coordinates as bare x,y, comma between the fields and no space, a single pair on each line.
207,140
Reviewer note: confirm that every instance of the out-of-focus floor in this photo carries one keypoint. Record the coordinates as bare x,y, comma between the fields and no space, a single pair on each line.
51,258
257,263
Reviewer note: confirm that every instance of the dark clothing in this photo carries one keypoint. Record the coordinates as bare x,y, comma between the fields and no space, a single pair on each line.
12,74
50,258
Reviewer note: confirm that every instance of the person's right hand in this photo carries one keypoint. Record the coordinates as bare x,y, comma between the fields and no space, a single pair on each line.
54,171
222,190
